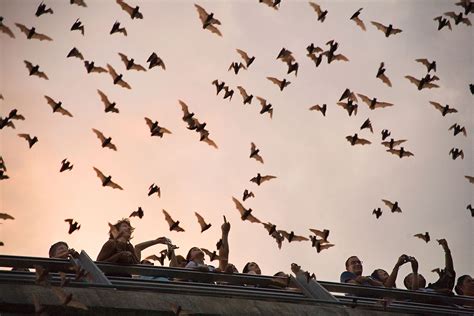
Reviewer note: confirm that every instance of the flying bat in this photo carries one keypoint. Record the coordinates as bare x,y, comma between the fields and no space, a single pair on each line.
31,33
458,18
117,78
290,236
324,234
456,152
160,259
133,12
208,20
154,61
393,206
138,213
443,109
377,212
155,129
266,107
204,226
422,83
154,189
381,75
57,106
106,181
73,226
212,255
236,67
74,52
6,216
430,65
280,83
109,106
130,63
117,29
442,22
458,129
174,225
248,60
387,30
78,26
355,18
425,236
373,103
5,29
247,194
367,124
258,179
246,98
390,144
321,14
319,108
254,152
31,140
65,165
400,152
355,140
90,67
245,214
34,70
105,141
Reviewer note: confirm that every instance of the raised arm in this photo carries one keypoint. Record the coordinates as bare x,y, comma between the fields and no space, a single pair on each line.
224,249
390,282
447,255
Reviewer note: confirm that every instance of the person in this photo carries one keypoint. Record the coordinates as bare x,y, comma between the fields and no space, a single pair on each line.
118,248
252,268
59,250
414,281
447,278
353,274
465,285
195,260
386,279
224,248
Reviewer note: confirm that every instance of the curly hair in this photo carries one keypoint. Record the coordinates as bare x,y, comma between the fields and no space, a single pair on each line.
120,222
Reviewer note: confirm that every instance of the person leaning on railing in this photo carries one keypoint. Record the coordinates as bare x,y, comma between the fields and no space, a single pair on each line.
118,248
353,274
389,280
465,285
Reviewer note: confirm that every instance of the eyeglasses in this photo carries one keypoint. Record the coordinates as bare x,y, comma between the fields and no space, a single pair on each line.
355,262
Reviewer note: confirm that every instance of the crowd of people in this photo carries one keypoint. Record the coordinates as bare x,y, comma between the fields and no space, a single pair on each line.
118,249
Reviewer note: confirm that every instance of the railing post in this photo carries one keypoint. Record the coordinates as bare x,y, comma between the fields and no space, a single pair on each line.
312,288
95,274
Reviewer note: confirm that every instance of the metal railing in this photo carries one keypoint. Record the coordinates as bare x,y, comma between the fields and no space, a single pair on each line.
294,289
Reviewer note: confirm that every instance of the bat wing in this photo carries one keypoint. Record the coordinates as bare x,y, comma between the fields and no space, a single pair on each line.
112,71
114,185
149,122
396,152
99,134
99,174
124,58
437,106
388,203
28,65
379,26
124,84
360,23
202,13
210,142
253,219
125,7
452,127
262,101
258,158
50,101
407,154
6,216
398,142
395,31
104,98
364,98
25,136
451,14
469,178
382,104
385,80
214,29
340,57
266,178
5,29
421,236
424,61
111,146
325,246
243,92
239,206
430,85
42,75
363,141
23,28
243,54
138,67
201,221
168,218
413,80
165,130
299,238
41,37
452,110
316,7
63,111
274,80
98,69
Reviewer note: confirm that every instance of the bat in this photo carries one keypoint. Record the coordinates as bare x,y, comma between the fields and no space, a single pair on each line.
73,226
106,181
350,107
174,225
80,3
280,83
134,12
78,26
400,152
421,84
393,143
57,106
324,234
31,33
377,212
13,115
65,165
154,189
387,30
425,236
212,255
373,103
155,129
458,129
470,208
236,67
6,216
205,138
34,70
202,223
154,61
349,95
320,246
117,29
208,20
118,78
109,106
130,64
355,18
247,194
429,65
254,152
470,179
74,52
381,75
319,108
321,14
258,179
458,18
442,22
443,109
286,56
5,29
160,259
290,236
455,152
245,214
393,206
246,98
105,141
90,67
355,140
367,124
248,60
31,141
138,213
271,228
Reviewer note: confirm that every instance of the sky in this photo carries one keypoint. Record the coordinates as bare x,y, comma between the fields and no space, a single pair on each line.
322,181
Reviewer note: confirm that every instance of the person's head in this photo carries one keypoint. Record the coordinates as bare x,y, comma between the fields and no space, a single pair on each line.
354,265
281,274
465,285
181,261
380,275
195,254
409,281
252,268
59,250
124,229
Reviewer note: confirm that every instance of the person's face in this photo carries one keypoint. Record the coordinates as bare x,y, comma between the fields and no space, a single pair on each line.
197,254
125,230
61,252
354,265
468,286
421,281
253,267
382,275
